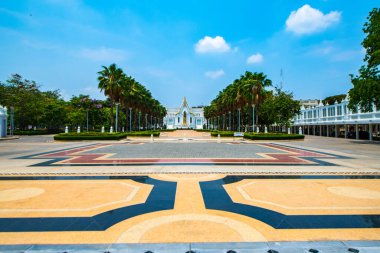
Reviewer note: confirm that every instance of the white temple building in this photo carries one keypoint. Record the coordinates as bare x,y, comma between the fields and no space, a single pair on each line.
3,121
184,117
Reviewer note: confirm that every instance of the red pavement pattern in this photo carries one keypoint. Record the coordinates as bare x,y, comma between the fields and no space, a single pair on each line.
291,156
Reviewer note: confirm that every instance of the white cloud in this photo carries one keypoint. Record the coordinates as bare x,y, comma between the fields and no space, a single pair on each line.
307,20
255,58
215,74
103,54
212,45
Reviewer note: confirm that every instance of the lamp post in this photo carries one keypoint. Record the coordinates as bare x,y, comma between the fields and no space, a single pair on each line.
139,119
229,120
146,121
12,119
117,117
154,123
151,122
87,118
253,117
130,119
239,120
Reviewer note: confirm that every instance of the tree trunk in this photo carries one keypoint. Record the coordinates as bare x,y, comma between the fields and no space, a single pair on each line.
257,115
112,120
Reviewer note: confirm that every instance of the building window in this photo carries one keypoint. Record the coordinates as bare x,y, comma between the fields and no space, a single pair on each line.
339,110
178,119
190,120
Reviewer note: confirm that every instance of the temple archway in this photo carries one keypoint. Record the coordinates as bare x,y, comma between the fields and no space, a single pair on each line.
184,118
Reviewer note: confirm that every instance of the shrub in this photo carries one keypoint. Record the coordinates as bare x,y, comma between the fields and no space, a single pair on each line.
90,136
273,136
144,133
222,133
37,132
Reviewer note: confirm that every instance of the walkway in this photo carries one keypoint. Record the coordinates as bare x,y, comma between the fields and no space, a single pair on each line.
99,195
185,134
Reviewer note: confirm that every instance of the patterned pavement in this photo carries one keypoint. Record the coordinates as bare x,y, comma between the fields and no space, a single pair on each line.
185,191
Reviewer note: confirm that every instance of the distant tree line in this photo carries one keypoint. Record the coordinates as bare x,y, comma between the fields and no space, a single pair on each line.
136,101
33,108
249,99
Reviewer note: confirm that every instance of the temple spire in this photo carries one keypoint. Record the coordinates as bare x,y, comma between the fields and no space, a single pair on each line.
184,102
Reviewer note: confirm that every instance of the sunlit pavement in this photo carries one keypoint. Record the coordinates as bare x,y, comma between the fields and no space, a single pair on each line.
188,190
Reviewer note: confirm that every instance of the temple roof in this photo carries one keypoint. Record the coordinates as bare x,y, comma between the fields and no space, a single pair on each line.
184,104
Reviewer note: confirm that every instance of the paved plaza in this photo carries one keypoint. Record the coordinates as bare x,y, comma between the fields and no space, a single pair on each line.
188,188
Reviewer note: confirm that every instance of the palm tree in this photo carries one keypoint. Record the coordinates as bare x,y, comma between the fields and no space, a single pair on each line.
249,88
260,82
110,82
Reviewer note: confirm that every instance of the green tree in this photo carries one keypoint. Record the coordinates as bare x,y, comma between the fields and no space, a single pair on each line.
26,99
279,108
55,110
332,99
248,90
366,85
110,79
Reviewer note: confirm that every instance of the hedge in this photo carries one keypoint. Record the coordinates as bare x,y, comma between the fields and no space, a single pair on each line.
144,133
222,133
37,132
273,136
90,136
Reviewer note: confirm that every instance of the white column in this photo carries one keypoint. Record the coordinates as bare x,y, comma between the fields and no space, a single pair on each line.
327,131
345,131
370,131
336,131
357,131
320,130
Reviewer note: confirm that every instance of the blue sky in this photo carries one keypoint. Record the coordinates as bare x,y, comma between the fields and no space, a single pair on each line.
184,48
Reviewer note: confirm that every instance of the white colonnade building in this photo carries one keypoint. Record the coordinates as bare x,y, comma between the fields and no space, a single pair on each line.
338,120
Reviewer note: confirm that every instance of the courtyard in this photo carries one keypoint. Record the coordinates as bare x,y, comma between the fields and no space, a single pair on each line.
186,187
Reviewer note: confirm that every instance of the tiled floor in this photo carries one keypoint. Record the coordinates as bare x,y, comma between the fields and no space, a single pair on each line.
188,191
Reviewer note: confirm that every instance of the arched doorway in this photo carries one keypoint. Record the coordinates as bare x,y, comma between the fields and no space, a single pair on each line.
184,118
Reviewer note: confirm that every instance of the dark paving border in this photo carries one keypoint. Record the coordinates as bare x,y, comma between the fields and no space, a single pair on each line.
216,197
160,198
